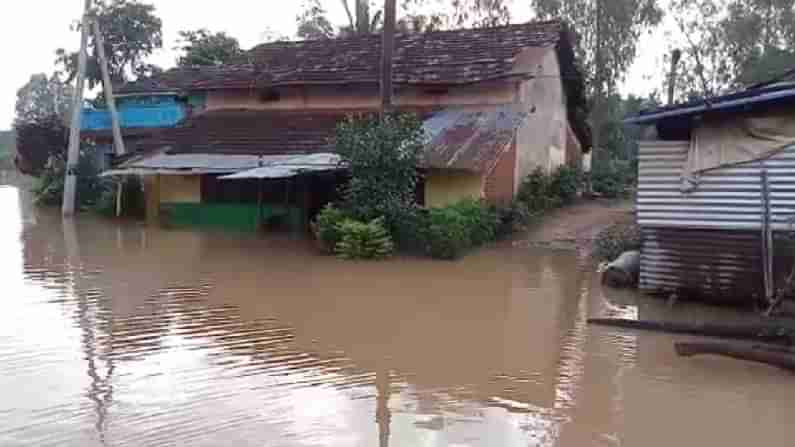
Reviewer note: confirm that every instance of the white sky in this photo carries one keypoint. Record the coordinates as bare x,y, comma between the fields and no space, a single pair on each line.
31,31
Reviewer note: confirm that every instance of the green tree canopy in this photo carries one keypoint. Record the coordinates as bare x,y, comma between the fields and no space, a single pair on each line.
313,23
202,47
131,32
42,97
365,16
382,156
608,33
732,43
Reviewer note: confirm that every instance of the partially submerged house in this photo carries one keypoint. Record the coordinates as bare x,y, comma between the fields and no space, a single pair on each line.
716,195
496,103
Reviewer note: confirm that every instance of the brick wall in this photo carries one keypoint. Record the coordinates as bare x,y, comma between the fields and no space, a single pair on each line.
500,182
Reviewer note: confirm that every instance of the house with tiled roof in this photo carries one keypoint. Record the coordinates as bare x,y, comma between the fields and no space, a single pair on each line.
496,104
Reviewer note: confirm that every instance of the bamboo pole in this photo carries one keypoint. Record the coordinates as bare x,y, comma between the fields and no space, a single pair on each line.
73,153
118,141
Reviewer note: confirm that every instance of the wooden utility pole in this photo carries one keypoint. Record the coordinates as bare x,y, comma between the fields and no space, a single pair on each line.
73,154
118,141
387,50
676,55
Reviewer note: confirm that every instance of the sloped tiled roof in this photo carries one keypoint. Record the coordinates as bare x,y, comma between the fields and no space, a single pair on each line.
247,132
173,80
463,139
444,57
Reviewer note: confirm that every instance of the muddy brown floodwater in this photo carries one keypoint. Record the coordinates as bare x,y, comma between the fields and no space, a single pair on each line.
123,335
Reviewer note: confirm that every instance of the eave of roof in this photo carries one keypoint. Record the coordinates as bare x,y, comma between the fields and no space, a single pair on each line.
728,102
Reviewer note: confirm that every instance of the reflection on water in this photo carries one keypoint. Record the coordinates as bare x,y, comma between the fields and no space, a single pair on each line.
119,334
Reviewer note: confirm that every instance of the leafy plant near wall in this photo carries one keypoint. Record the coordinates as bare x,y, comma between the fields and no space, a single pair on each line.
450,232
382,157
359,240
540,192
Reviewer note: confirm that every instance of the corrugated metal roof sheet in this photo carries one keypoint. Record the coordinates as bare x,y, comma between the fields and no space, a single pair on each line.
216,162
727,198
290,167
471,139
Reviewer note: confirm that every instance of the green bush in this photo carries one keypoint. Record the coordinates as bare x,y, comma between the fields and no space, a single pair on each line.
481,221
447,235
611,242
359,240
90,187
451,231
540,192
512,219
564,184
326,227
612,178
534,192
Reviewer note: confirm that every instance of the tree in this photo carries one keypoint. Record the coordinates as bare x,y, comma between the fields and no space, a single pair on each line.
42,98
382,157
365,17
39,140
732,43
313,23
131,32
201,47
608,33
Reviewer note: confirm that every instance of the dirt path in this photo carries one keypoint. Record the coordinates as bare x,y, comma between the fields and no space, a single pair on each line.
577,225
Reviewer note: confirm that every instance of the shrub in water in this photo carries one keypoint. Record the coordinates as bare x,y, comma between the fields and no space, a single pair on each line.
359,240
326,225
513,218
446,235
615,240
481,221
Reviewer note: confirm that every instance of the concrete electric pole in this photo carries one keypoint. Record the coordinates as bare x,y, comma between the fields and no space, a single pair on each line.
73,154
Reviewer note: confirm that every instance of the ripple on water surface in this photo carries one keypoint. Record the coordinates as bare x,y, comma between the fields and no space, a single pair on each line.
124,335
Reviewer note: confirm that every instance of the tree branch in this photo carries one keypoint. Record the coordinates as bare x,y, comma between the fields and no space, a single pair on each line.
348,12
697,55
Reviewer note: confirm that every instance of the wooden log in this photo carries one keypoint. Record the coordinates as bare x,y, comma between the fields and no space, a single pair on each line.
783,360
624,271
762,333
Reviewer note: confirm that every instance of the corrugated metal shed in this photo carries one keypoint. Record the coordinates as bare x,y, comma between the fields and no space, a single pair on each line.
708,242
728,198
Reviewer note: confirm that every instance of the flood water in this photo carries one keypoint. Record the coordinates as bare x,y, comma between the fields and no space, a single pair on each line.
124,335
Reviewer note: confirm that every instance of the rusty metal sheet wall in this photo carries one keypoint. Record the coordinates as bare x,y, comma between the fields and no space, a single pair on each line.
727,198
717,265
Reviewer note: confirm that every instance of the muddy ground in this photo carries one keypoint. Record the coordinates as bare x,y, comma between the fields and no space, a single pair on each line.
576,226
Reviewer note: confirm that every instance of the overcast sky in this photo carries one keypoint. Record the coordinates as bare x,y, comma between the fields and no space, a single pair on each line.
31,31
